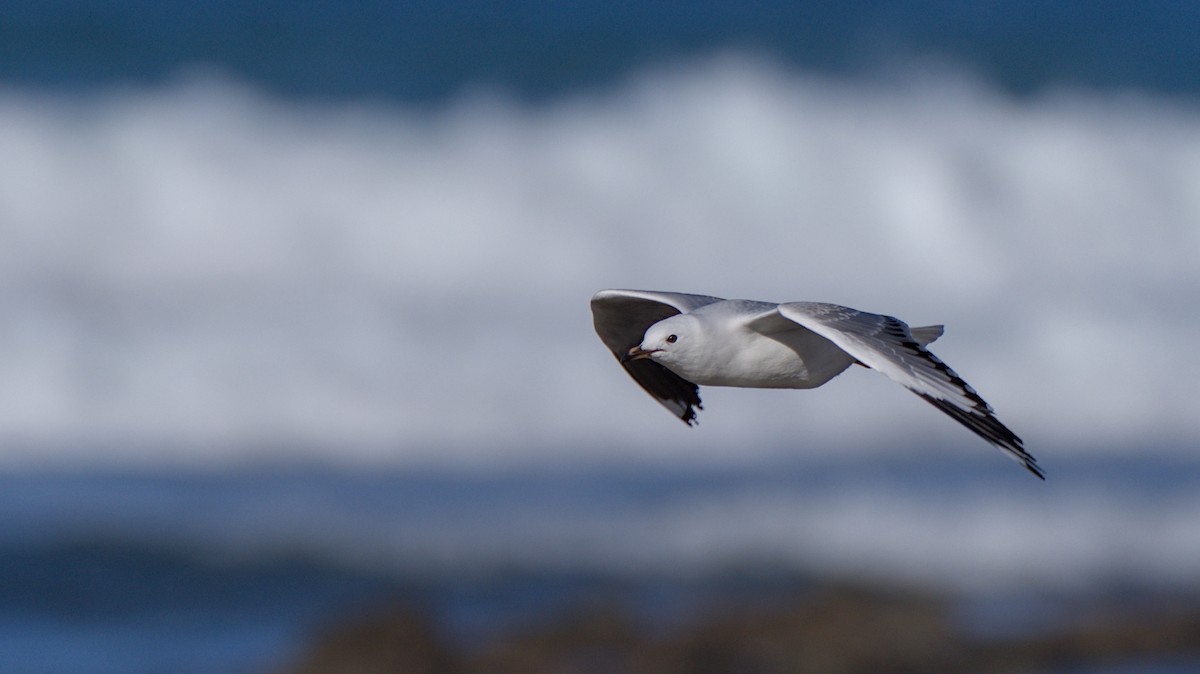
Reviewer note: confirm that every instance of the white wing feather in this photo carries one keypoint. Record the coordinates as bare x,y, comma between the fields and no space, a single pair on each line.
886,344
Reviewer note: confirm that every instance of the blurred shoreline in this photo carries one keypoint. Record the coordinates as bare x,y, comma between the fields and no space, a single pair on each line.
827,628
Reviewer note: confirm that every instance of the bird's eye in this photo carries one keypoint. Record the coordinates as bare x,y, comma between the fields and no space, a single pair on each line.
671,339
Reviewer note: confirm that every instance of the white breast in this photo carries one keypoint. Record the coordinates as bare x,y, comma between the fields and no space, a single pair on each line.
793,359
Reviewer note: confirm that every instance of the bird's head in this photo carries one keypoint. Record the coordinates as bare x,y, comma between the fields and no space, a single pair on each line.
668,341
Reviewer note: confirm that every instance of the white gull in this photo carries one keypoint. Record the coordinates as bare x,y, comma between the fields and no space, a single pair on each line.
671,343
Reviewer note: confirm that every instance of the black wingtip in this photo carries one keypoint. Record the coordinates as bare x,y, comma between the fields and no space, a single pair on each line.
689,415
677,394
1031,466
982,423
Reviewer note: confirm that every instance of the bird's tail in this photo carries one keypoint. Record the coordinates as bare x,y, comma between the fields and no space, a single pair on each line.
927,334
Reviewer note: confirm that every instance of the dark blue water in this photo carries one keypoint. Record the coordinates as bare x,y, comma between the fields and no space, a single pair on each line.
427,50
108,607
104,607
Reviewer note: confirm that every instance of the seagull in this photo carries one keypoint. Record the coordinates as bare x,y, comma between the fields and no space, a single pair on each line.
672,343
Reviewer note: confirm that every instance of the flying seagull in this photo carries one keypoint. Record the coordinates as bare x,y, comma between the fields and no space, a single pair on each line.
671,343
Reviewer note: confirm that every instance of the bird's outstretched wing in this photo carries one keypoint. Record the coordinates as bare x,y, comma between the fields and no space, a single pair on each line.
621,318
886,344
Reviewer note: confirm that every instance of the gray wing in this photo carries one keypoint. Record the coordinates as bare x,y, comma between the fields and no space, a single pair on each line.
886,344
621,318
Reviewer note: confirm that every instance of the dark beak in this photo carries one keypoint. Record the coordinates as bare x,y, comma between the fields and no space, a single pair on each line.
637,353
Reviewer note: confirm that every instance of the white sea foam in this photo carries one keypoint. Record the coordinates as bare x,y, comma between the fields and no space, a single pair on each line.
203,274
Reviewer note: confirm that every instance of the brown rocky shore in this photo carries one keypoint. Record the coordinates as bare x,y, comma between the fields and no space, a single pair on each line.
834,629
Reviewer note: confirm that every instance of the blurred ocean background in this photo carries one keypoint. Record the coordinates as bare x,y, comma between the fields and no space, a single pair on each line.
295,303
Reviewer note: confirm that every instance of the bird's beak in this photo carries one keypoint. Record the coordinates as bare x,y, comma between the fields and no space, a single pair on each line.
638,353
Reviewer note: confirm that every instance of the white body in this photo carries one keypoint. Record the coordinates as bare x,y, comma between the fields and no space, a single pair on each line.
732,353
